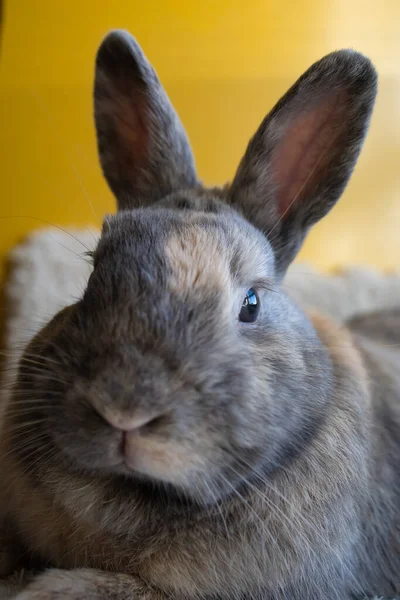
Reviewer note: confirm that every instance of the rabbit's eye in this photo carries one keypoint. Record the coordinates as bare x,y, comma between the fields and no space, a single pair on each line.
250,307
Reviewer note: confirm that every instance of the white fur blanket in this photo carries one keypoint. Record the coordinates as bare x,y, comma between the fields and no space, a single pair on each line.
49,271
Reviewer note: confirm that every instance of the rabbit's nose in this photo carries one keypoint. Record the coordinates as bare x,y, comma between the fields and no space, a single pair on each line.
128,423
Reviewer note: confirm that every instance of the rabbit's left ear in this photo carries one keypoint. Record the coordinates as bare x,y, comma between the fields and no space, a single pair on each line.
301,158
144,150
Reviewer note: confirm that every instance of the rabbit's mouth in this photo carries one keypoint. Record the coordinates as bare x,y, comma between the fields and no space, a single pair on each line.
160,459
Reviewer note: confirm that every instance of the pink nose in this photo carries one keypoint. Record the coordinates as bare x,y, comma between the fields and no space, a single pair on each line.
125,422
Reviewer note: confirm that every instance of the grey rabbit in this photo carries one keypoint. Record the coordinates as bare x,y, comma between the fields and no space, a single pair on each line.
184,431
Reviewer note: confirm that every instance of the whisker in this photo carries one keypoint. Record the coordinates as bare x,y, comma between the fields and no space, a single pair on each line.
47,223
50,119
34,409
26,394
27,424
217,504
46,454
58,195
293,508
34,361
25,443
251,509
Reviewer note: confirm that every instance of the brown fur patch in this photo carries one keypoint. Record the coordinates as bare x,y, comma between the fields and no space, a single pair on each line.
197,262
341,347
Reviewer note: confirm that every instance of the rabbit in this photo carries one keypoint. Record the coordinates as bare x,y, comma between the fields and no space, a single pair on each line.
184,430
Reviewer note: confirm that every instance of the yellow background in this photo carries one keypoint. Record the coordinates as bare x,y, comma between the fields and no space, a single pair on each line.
224,64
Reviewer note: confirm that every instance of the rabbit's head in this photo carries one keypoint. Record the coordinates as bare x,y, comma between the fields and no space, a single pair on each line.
184,364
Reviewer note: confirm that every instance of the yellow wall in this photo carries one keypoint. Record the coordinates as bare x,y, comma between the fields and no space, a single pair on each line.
224,63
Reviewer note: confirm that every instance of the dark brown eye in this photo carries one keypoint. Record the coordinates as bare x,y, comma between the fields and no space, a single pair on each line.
250,307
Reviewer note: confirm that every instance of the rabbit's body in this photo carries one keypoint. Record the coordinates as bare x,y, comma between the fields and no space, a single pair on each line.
168,439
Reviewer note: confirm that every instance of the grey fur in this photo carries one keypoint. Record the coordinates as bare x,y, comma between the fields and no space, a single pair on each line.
266,465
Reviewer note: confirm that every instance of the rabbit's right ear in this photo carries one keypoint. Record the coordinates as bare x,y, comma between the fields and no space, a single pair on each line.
144,151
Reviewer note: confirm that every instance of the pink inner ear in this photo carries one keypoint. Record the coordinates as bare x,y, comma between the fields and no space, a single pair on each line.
305,150
131,130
